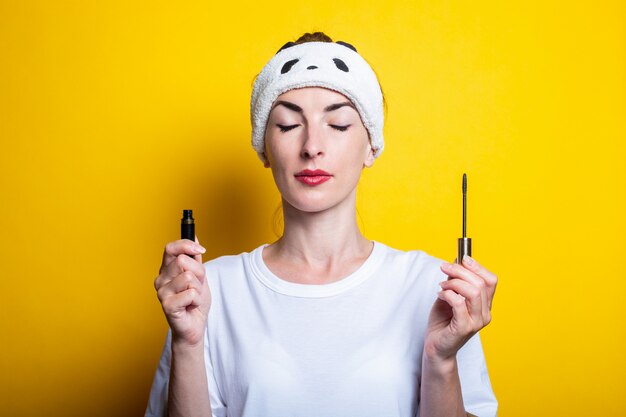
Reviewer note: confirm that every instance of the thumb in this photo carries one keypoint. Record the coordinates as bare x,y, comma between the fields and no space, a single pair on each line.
198,257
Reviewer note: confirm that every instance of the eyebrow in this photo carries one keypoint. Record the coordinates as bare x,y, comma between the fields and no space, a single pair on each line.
298,109
289,105
339,105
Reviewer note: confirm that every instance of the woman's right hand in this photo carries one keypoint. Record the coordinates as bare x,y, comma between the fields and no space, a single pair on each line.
183,291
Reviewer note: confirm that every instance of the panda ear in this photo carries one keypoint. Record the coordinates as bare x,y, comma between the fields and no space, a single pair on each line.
285,46
347,45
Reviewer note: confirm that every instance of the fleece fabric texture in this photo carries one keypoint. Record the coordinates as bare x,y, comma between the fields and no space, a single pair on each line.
318,64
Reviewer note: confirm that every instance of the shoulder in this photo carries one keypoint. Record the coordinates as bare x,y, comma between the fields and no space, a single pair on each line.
415,266
415,260
230,266
414,257
225,262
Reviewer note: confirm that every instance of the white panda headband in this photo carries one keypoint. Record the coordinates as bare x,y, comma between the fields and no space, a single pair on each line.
333,65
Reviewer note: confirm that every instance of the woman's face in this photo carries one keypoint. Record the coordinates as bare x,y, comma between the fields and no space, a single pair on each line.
316,146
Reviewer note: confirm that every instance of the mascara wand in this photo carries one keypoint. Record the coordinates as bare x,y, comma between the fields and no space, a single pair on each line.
465,243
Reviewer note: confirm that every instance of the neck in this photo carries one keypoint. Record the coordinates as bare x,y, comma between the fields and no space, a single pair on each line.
322,238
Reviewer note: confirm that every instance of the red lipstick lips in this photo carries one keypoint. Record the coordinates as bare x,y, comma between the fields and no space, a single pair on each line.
315,177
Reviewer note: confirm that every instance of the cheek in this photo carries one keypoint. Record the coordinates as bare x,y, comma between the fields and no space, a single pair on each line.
352,161
276,158
360,149
275,154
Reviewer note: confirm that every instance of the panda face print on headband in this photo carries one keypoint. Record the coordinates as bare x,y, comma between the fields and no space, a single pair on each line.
333,65
338,62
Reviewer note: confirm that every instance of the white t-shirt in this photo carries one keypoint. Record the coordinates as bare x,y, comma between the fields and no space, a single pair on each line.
349,348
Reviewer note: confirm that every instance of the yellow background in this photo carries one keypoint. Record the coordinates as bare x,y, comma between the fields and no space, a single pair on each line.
116,115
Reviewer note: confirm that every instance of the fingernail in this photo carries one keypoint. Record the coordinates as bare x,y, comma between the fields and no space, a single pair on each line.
200,248
467,260
442,283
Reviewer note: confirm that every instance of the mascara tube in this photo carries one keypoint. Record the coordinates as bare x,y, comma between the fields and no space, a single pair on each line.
187,226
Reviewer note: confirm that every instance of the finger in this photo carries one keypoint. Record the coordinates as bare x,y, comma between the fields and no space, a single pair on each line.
182,282
199,256
180,264
177,303
474,298
461,322
179,247
185,263
459,271
489,277
456,271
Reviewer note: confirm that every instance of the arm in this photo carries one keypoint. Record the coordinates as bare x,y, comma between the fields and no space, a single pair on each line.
441,388
440,393
462,308
188,384
184,294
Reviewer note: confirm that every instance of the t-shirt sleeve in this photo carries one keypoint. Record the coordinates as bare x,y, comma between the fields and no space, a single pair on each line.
157,403
478,396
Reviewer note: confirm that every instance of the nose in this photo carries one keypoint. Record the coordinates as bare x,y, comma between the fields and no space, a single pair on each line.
313,144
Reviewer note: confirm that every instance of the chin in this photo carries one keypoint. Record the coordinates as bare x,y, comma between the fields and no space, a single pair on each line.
315,202
308,205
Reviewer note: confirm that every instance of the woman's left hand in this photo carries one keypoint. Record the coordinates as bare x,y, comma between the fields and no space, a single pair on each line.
462,308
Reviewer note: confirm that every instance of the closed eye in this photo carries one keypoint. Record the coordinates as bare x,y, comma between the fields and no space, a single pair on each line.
340,128
284,128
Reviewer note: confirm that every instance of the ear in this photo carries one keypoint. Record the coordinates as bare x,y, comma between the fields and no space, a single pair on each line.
266,162
287,45
347,45
369,158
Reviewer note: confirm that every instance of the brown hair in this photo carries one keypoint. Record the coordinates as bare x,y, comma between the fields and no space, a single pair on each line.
313,37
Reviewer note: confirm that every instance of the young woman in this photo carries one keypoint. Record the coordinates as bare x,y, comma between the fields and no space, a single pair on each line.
322,322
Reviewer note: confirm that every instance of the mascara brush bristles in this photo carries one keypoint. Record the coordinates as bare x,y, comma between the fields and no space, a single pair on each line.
464,205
